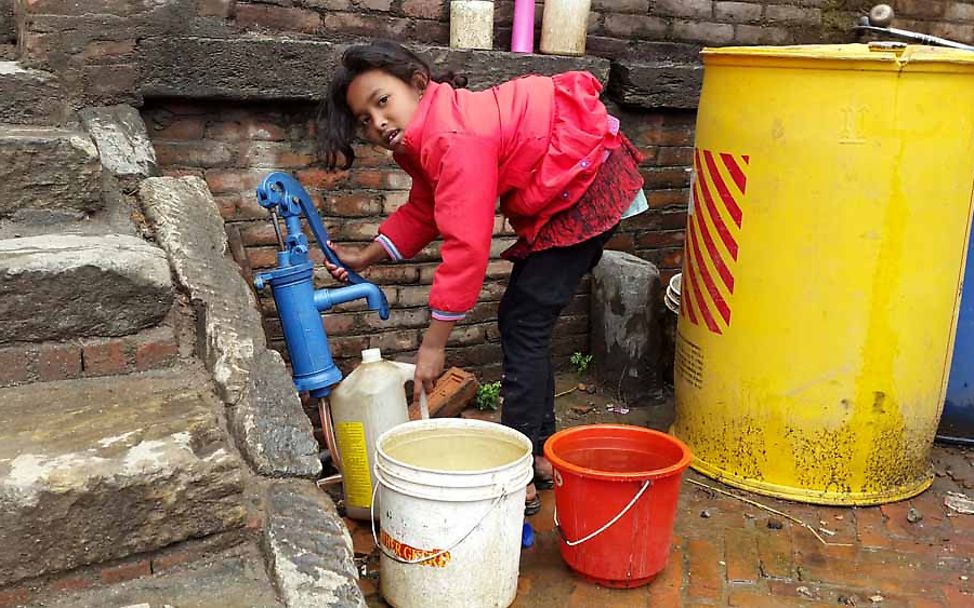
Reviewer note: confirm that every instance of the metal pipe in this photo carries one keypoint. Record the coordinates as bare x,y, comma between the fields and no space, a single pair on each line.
277,230
328,430
327,298
915,37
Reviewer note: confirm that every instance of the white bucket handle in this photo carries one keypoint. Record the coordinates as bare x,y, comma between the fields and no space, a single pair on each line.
427,558
408,370
572,543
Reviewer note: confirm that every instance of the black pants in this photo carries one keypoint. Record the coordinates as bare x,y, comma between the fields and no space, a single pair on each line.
540,287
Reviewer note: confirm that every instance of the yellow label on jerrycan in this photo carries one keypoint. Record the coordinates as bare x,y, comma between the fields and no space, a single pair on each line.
826,239
367,403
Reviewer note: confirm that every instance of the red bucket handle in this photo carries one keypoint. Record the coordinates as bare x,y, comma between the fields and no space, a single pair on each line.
572,543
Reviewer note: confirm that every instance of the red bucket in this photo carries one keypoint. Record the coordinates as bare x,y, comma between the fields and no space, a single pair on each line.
616,489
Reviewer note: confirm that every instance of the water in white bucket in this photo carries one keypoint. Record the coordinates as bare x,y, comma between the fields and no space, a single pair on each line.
452,509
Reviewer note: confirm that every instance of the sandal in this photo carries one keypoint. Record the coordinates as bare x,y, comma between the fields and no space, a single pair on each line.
531,507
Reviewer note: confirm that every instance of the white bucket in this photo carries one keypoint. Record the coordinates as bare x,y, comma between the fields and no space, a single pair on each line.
452,510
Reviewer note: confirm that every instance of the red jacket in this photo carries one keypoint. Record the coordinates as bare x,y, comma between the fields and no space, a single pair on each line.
536,143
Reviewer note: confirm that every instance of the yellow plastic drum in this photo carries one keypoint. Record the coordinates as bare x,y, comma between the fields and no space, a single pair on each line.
825,248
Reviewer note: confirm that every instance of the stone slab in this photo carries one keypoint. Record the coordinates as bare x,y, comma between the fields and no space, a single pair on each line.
268,423
30,97
122,140
93,470
49,169
309,549
81,286
625,329
658,75
281,68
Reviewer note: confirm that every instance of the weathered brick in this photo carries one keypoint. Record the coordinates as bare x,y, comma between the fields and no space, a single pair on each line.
77,582
104,358
775,553
921,9
711,33
369,25
321,179
155,348
58,362
14,366
395,341
203,154
381,179
424,9
958,12
278,155
621,6
278,18
741,555
684,8
113,81
670,155
737,12
125,572
177,128
954,31
704,567
668,198
108,49
216,8
13,598
784,13
761,34
666,177
635,26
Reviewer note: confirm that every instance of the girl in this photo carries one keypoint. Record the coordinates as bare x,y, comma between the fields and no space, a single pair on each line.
545,146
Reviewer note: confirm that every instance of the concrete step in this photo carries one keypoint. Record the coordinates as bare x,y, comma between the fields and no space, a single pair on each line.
30,97
91,286
100,469
54,171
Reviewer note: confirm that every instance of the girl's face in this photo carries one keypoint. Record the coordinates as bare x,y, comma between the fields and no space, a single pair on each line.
383,105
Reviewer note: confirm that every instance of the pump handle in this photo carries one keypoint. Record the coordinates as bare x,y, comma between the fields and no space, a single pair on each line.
283,192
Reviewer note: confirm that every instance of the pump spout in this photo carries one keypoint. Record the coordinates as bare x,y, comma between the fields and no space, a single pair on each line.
327,298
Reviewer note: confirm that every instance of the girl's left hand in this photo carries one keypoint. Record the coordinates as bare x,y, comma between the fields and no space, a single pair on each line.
429,367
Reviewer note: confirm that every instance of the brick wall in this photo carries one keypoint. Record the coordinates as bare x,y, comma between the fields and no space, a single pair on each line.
615,26
232,149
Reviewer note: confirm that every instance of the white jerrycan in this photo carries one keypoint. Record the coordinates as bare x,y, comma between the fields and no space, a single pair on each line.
368,402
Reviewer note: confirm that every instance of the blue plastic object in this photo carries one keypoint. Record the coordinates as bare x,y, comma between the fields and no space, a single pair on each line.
299,304
957,421
527,536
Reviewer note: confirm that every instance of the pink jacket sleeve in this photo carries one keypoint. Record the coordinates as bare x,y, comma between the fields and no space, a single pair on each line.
465,167
412,226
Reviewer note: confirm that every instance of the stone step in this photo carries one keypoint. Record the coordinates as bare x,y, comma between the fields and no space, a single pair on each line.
99,469
234,577
30,97
108,285
49,171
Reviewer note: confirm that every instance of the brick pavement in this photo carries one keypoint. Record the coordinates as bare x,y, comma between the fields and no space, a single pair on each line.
732,557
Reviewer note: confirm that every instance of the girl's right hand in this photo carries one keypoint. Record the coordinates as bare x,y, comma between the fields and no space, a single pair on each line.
352,258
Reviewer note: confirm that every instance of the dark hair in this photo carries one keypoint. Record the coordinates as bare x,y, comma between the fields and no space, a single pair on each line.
336,124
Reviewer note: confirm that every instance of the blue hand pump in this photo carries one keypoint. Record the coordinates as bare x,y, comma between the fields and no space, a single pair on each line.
299,304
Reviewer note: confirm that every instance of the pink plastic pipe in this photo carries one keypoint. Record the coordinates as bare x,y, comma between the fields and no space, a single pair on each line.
522,38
